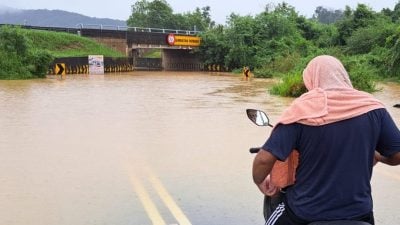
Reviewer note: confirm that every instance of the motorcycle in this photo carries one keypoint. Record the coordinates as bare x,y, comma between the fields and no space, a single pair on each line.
260,118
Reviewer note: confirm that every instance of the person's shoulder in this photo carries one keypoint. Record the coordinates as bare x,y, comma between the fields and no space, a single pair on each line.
381,115
379,112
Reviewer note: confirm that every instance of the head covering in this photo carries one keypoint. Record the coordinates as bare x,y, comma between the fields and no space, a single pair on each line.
330,98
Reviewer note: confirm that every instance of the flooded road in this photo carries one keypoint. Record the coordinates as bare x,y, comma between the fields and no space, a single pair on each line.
144,148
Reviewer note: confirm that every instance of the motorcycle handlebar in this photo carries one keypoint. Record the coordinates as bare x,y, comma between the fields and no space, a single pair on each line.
254,150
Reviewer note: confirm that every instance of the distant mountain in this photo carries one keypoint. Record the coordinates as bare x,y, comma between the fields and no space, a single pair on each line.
52,18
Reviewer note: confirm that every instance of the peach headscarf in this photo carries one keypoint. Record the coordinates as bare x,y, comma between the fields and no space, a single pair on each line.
330,98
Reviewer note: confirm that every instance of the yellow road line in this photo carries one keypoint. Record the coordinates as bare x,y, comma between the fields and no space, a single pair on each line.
387,173
169,201
148,205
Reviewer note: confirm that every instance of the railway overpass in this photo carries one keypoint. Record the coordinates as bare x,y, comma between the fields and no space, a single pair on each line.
176,45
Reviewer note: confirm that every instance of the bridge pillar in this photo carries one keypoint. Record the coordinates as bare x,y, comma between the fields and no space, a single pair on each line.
180,59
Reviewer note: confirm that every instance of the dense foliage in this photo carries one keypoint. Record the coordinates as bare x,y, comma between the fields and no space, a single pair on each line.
280,42
26,54
18,60
159,14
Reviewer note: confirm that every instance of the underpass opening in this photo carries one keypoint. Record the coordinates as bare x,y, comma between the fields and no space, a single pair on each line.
181,60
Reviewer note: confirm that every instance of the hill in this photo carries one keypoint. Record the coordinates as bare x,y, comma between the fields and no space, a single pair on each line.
51,18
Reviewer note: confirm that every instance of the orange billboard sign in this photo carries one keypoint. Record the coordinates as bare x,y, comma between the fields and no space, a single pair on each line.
183,40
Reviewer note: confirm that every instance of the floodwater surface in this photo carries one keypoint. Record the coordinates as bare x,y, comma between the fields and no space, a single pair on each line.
144,148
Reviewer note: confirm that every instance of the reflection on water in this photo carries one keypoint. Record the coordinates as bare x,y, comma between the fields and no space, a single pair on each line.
89,149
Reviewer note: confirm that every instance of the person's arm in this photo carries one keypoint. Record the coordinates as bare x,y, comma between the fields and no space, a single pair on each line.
278,147
262,166
389,142
392,160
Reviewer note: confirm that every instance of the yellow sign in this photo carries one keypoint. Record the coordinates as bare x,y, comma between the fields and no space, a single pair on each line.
182,40
60,69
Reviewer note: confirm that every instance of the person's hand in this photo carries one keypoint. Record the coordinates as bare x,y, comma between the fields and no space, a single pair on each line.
377,157
267,188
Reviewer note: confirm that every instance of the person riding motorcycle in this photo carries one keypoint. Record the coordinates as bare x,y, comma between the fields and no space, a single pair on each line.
332,136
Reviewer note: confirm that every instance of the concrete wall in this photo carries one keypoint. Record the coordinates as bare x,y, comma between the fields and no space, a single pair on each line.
80,65
117,44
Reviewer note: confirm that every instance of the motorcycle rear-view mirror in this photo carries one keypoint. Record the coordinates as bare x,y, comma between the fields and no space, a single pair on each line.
258,117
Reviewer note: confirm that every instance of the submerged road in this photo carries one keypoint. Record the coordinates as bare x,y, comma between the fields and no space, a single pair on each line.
144,148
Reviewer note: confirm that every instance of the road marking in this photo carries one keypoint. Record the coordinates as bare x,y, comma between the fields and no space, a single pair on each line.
387,173
147,203
168,200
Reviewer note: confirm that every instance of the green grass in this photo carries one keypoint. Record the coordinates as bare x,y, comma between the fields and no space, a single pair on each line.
60,44
27,54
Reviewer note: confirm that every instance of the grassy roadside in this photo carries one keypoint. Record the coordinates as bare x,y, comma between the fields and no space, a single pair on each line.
60,44
27,54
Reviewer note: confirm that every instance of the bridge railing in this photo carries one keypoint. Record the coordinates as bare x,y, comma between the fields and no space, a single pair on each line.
80,26
57,29
135,29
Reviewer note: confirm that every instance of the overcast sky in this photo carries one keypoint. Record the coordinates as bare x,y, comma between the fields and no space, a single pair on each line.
220,9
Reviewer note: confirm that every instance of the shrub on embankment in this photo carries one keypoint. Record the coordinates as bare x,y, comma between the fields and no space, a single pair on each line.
279,43
26,54
362,74
18,59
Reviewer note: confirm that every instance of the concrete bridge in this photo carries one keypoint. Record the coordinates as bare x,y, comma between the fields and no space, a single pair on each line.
176,45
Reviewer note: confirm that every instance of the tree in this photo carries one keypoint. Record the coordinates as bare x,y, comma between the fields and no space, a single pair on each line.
396,12
154,14
214,47
363,16
139,17
364,39
159,14
199,20
393,14
353,20
327,16
241,38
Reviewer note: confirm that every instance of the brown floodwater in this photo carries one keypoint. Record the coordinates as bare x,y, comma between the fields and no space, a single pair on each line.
144,148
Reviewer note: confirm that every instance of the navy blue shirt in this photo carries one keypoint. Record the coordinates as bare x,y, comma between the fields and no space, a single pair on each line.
335,164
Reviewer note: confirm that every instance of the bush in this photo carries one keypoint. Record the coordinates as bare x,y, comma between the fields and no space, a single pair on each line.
20,58
362,74
11,67
12,40
264,72
394,54
291,86
39,61
281,65
365,39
